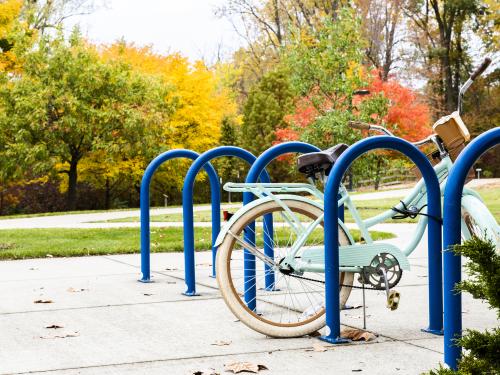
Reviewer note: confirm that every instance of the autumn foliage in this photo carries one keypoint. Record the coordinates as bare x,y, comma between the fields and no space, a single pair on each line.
407,116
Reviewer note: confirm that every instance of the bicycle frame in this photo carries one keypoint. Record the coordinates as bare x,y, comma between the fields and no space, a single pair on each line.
417,197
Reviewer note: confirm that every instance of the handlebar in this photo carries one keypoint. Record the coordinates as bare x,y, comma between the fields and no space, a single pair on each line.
365,126
481,69
359,125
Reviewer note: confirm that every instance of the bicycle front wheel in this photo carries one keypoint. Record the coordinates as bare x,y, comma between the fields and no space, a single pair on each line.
295,304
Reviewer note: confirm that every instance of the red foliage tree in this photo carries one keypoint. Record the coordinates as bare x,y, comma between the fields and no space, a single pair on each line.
407,115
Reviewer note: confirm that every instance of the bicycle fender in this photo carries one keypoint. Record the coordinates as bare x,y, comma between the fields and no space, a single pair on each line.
247,207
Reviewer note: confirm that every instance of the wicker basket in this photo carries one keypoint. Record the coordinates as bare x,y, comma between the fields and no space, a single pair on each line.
454,134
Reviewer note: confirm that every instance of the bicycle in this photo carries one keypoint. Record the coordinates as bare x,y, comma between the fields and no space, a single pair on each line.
293,304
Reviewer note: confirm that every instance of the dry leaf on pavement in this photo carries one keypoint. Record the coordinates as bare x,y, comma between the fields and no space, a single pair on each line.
221,343
61,336
43,301
355,334
237,367
209,371
317,347
77,290
54,326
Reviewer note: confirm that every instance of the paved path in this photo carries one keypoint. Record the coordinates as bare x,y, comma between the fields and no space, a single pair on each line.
112,324
96,220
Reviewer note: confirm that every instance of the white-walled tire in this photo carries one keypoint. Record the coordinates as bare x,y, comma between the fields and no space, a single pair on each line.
297,308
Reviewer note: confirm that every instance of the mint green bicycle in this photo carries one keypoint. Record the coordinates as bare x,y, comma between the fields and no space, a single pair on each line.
294,306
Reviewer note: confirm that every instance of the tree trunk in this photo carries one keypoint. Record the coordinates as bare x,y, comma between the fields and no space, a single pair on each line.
72,181
107,196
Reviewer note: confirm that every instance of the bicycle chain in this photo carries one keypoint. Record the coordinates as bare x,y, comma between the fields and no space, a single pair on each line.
322,282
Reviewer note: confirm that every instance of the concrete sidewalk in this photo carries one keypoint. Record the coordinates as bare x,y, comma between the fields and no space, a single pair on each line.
113,324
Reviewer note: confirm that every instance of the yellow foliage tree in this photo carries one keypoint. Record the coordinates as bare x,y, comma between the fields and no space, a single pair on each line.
9,13
203,100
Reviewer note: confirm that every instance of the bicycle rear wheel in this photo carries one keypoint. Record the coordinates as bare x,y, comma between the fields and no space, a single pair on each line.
296,306
479,222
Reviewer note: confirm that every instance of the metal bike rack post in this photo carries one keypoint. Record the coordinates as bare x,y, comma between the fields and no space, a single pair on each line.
331,231
253,174
144,202
452,229
187,208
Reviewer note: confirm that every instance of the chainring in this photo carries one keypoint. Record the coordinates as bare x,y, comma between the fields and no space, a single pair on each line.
373,274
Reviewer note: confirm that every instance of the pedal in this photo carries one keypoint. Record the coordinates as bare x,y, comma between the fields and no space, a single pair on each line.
393,300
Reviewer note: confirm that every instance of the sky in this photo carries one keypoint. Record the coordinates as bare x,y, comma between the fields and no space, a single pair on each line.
186,26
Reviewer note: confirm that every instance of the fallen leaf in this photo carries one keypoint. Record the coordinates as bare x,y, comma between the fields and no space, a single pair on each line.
237,367
43,301
317,347
209,371
354,307
148,294
73,290
54,326
61,336
221,343
355,334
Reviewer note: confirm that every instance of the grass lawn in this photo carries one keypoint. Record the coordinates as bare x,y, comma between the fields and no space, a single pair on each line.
38,243
368,208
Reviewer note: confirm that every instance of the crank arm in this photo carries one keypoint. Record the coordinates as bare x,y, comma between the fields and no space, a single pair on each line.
252,249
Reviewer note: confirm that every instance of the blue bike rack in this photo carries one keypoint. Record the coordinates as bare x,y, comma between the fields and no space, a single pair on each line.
253,174
187,207
452,229
144,202
331,231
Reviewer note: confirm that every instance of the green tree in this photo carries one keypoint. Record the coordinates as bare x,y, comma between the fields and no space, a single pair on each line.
325,68
268,103
68,103
441,27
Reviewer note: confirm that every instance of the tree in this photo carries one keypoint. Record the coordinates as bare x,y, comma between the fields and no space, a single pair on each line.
481,112
42,15
442,25
268,102
9,13
68,103
383,31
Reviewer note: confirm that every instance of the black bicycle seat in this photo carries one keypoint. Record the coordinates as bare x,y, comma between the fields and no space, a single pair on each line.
316,162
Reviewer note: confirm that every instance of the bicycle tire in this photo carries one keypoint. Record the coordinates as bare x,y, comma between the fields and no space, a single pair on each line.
263,320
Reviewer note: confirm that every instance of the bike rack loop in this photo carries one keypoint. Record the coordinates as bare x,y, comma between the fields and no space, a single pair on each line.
187,208
452,236
331,231
144,202
253,174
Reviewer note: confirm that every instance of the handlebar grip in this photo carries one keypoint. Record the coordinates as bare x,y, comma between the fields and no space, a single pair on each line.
481,69
359,125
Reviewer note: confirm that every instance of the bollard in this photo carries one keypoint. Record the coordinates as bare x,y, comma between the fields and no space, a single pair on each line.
253,174
452,236
331,231
187,208
144,202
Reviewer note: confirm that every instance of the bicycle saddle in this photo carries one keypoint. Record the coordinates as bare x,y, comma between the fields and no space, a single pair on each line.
315,162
